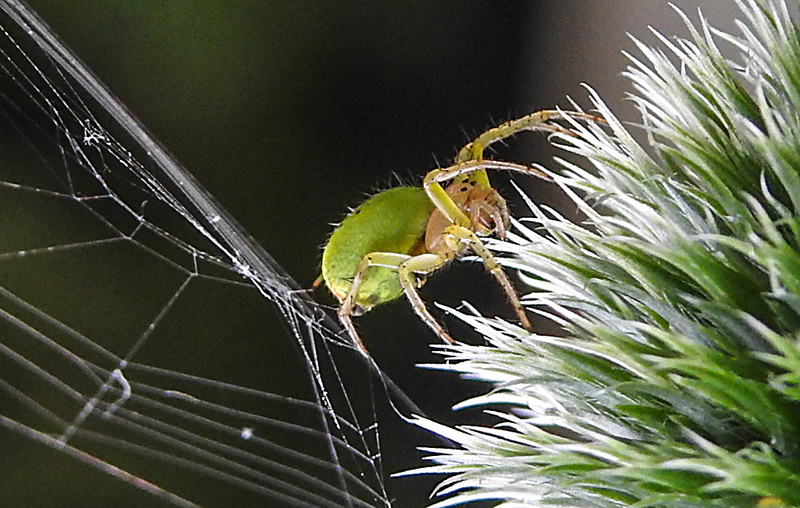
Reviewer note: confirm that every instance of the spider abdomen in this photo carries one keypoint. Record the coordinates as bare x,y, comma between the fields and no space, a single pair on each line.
391,221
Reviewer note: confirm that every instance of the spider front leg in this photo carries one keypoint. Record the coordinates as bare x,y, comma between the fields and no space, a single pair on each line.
458,237
534,122
444,202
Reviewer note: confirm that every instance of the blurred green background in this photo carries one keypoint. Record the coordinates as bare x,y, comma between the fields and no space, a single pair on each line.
290,112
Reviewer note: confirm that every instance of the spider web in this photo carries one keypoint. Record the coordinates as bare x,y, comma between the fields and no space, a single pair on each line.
116,269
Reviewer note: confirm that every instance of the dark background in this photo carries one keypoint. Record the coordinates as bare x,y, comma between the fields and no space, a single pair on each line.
290,112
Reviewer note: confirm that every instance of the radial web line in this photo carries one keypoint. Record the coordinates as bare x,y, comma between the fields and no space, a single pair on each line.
119,269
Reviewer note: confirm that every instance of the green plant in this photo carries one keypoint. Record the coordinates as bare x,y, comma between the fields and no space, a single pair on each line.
676,383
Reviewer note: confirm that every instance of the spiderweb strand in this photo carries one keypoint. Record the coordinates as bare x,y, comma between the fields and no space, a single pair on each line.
87,397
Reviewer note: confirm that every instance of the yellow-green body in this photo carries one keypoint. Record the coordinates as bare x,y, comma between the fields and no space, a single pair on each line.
391,221
390,244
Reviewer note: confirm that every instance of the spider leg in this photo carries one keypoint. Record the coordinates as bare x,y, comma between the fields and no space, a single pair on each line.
470,159
422,264
534,122
458,236
443,201
348,308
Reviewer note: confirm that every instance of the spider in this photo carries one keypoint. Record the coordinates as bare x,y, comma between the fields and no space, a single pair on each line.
393,241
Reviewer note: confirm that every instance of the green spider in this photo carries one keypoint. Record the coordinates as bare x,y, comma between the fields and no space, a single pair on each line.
390,243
